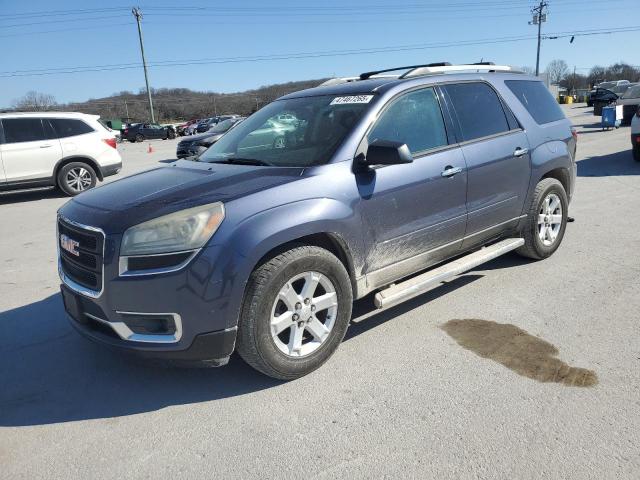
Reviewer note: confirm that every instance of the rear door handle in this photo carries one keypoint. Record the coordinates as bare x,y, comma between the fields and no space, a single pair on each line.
520,152
450,171
46,146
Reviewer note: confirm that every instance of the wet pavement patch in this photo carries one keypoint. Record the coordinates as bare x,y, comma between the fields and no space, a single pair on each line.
517,350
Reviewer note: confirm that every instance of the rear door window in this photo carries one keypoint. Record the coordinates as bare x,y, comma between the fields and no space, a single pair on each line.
415,119
69,127
537,99
19,130
478,109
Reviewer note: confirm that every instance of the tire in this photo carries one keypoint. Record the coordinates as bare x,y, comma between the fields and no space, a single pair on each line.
553,232
171,135
257,342
636,154
76,177
139,138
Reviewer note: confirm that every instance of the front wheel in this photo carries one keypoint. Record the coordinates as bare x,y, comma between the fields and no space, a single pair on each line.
295,313
546,221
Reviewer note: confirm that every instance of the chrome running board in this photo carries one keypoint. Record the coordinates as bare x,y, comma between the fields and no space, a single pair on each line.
415,286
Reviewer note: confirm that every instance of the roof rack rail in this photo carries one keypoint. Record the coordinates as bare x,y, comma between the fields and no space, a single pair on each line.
489,67
367,75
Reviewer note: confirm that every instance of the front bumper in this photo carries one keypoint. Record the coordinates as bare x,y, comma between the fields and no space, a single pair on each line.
90,319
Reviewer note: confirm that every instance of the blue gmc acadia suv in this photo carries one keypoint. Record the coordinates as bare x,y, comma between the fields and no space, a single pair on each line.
386,183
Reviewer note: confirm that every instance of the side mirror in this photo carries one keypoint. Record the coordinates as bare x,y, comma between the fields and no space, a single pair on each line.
386,152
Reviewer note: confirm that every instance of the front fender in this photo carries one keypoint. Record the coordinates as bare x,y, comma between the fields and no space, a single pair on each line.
257,235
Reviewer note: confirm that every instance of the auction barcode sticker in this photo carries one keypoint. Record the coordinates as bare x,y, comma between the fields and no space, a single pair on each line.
351,99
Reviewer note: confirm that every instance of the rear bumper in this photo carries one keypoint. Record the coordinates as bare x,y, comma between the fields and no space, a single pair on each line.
110,170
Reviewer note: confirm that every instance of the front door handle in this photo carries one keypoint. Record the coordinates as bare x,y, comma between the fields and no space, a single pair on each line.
520,152
450,171
46,146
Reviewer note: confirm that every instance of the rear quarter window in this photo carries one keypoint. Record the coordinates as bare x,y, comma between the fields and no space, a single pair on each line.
478,109
537,99
69,127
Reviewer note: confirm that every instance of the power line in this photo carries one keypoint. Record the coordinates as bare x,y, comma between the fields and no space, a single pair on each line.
45,22
305,55
94,27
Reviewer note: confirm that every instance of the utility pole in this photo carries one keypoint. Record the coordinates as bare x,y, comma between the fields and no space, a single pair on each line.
539,17
126,108
138,14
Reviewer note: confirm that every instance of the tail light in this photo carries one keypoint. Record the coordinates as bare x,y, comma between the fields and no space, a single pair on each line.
574,132
126,130
110,141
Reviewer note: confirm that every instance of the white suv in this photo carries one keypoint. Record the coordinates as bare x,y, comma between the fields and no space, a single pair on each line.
68,150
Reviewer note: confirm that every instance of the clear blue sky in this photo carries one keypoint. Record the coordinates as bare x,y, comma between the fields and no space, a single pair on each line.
244,28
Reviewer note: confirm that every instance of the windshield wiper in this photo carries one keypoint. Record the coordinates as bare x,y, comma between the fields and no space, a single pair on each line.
245,161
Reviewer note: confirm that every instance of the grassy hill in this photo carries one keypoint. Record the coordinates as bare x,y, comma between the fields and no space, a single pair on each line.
174,104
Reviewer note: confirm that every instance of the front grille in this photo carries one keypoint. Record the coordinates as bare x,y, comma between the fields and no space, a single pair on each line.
85,268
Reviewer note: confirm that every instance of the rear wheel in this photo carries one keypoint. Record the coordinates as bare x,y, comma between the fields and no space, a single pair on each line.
636,154
139,138
75,178
296,312
546,221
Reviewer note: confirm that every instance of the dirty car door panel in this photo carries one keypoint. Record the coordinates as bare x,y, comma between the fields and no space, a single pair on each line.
496,151
413,208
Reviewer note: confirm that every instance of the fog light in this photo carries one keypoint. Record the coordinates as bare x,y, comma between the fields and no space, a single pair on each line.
144,324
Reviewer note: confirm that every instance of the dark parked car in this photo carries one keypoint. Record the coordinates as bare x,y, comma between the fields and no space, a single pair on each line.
388,186
138,132
630,101
210,123
206,124
601,98
195,145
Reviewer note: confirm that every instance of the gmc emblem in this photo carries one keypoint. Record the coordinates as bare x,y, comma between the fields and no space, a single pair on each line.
69,244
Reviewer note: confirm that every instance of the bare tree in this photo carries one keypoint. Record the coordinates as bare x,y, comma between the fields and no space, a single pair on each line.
35,101
557,71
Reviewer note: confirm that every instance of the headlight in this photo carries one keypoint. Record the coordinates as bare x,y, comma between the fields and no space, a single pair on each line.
184,230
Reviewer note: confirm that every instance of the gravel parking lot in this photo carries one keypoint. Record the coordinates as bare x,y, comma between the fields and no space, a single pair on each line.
416,391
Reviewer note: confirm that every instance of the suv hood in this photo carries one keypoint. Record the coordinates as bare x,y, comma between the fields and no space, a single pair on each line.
183,184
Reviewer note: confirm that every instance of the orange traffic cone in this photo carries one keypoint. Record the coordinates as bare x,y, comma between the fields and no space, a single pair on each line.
150,149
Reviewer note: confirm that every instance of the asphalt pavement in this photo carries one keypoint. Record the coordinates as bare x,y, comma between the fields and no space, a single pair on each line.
518,369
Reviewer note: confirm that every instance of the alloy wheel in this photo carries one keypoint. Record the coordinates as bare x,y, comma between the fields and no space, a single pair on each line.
303,314
79,179
550,219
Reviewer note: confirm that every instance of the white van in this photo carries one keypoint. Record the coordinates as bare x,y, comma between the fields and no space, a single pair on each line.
71,151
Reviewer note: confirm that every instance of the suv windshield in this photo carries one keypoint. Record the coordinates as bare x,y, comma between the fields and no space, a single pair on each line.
633,92
299,132
620,89
222,126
